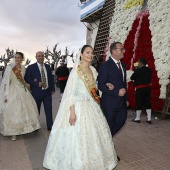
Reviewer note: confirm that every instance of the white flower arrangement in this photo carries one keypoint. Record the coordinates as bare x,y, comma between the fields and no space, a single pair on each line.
159,26
128,75
122,21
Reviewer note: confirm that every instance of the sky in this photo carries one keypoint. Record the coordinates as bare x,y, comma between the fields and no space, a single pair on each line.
32,25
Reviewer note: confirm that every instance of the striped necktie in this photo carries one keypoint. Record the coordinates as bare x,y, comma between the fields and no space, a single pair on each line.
44,81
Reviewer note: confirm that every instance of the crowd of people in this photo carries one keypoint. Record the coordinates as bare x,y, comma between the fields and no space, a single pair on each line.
81,136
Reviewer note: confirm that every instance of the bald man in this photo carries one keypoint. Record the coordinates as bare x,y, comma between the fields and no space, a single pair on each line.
39,76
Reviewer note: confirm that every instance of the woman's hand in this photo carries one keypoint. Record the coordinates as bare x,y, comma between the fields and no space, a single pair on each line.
72,119
111,87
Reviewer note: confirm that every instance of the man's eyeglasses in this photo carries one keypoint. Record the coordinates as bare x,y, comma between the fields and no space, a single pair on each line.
121,49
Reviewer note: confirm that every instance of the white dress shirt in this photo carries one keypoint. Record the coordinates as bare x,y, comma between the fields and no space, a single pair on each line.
45,71
118,66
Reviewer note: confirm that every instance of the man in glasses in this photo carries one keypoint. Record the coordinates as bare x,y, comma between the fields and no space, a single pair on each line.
114,102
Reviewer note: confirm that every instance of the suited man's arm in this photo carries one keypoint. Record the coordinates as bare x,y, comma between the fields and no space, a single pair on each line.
28,78
102,81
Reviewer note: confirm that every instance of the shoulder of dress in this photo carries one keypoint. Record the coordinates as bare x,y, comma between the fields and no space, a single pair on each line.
95,73
22,66
8,67
93,69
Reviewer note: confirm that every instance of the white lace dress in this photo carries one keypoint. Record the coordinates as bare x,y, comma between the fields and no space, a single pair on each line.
86,146
19,115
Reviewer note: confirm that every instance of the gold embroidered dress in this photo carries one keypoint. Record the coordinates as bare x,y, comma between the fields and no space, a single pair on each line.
19,115
88,145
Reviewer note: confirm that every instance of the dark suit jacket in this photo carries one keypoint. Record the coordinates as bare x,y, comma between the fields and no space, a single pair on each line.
141,76
110,73
33,77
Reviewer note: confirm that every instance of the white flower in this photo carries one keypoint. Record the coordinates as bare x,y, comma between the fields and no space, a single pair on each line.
163,92
129,73
122,19
159,26
164,82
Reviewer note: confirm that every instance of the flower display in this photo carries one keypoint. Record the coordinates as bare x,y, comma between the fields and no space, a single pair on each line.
122,21
144,34
159,25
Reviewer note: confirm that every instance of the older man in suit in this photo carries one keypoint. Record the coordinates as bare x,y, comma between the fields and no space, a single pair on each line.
39,76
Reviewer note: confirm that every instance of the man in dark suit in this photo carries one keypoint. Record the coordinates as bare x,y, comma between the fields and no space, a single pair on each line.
39,76
114,102
142,81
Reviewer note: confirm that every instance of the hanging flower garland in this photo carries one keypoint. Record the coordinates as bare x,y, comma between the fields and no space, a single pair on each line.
140,15
159,26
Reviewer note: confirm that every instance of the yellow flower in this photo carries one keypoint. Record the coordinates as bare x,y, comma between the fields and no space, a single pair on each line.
136,64
132,3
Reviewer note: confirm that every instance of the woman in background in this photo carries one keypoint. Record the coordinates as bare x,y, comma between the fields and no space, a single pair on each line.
18,110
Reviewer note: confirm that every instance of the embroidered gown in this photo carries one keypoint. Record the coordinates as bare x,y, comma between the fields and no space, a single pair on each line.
86,146
19,115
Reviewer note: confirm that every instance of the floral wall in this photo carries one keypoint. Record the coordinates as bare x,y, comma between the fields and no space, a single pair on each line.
142,35
160,29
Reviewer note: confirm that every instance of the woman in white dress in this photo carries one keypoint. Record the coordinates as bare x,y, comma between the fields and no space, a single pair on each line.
80,138
18,110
